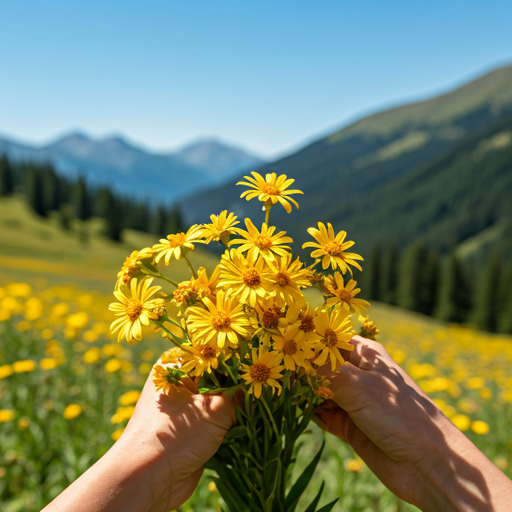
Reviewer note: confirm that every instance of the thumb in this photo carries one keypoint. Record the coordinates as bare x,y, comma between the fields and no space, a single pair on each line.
221,409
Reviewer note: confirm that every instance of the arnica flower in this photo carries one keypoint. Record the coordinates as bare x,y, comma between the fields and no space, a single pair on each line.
221,228
177,245
221,321
270,190
299,312
122,414
5,371
166,377
294,347
24,366
269,314
265,243
345,295
204,286
331,248
72,411
264,371
369,330
247,278
133,308
131,266
48,363
130,397
200,358
7,415
286,278
335,330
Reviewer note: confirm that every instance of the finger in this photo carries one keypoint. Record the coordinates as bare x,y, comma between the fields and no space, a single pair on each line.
221,409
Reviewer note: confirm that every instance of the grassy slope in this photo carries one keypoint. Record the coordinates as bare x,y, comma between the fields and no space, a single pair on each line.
33,248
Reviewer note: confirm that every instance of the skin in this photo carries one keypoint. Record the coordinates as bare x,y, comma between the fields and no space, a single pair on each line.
157,462
410,445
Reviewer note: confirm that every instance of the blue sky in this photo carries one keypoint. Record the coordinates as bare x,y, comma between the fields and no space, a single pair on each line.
266,75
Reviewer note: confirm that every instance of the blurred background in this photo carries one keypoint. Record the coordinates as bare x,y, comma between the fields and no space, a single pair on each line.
122,122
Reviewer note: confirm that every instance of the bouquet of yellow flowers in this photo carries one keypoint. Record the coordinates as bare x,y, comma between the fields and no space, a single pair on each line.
248,330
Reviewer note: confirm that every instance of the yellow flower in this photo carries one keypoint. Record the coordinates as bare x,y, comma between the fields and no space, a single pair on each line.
265,370
177,245
461,421
23,423
299,312
133,308
72,411
200,358
480,427
221,321
345,295
24,366
335,331
369,330
204,286
220,229
113,365
286,278
5,371
247,278
131,266
269,314
166,377
294,347
78,320
270,190
7,415
117,434
265,243
130,397
92,355
331,248
48,363
355,465
122,414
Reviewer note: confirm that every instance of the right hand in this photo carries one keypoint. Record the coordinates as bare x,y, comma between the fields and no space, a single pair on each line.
391,424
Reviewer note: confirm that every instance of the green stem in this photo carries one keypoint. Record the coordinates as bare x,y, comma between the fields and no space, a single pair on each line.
174,339
274,426
267,213
174,283
194,273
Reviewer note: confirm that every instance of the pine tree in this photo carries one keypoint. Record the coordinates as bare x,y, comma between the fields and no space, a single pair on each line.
454,298
486,312
35,190
113,216
174,221
371,275
159,221
430,284
6,177
411,277
52,188
82,200
389,275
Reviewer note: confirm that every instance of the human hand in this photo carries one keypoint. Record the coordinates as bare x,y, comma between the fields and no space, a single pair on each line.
404,438
178,433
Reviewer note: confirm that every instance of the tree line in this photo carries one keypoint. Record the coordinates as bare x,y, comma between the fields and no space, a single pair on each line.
442,286
46,191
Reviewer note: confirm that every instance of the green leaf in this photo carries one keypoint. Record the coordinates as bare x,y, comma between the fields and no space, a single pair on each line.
314,503
302,482
328,507
235,432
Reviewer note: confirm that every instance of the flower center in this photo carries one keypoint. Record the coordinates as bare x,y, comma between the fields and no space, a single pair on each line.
176,240
307,324
208,352
270,189
134,309
263,242
330,338
290,347
252,278
333,248
270,319
282,279
259,372
345,296
221,320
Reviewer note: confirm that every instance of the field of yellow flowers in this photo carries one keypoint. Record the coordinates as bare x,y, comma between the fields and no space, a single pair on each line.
67,389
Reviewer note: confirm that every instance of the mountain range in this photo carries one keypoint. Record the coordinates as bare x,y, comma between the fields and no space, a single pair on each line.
437,171
131,170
